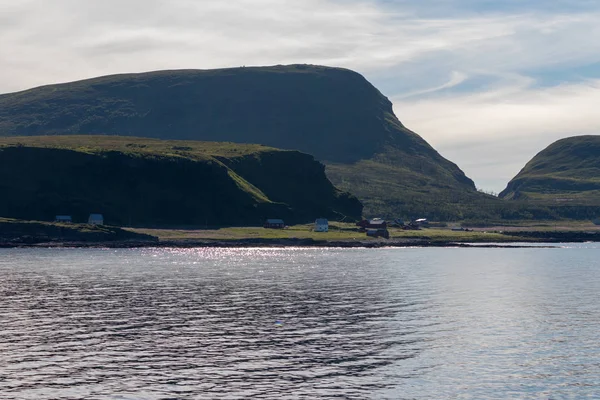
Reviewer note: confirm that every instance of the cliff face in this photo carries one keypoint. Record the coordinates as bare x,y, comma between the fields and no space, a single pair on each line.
295,179
141,182
334,114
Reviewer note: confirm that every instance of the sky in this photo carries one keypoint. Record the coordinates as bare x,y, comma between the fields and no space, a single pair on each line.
489,84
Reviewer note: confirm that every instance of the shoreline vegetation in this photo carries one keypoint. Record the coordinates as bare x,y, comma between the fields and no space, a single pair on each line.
39,234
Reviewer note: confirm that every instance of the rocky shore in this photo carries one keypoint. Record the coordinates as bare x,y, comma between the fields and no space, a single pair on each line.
18,233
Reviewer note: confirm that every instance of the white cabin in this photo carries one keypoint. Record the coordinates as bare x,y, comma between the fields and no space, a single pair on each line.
96,219
321,225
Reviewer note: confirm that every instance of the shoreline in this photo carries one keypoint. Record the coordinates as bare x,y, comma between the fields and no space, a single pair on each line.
39,234
284,243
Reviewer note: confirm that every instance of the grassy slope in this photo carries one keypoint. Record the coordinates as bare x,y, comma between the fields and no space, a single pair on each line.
331,113
337,232
168,148
146,181
565,176
398,192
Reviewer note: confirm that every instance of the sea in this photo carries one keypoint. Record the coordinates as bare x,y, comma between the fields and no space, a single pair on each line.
300,323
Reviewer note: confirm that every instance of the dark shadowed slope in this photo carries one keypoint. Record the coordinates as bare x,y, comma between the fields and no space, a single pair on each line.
134,181
333,114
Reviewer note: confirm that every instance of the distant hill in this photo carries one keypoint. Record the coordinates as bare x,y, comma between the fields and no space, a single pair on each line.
564,176
334,114
149,182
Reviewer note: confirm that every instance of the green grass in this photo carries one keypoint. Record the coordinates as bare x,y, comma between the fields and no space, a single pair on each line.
426,190
340,232
565,173
564,178
138,146
249,188
344,232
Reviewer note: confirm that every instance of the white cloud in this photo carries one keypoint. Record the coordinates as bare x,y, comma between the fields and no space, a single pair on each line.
491,135
69,39
456,78
66,39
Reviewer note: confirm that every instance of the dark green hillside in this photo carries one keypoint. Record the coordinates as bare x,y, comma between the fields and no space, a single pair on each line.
135,181
393,184
334,114
564,176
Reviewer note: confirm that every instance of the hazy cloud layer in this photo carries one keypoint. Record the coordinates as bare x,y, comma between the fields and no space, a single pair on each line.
487,83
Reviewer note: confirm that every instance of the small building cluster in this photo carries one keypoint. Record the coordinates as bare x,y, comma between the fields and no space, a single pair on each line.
93,219
375,227
321,224
384,233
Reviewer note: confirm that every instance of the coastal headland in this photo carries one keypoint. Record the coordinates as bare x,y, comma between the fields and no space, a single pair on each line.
235,147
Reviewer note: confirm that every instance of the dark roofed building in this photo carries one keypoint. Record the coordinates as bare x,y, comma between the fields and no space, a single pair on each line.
274,224
375,223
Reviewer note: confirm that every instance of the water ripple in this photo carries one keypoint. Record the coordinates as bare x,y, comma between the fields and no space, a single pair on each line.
298,323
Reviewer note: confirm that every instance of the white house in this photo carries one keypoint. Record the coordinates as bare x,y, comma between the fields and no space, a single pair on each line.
96,219
63,218
321,225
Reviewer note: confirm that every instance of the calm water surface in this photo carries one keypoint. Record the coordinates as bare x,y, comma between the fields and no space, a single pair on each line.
439,323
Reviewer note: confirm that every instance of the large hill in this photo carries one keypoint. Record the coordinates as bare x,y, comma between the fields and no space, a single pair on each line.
334,114
568,168
564,176
149,182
